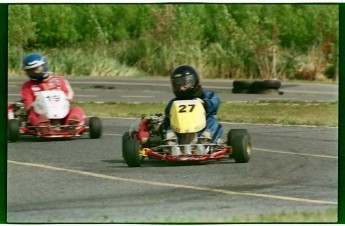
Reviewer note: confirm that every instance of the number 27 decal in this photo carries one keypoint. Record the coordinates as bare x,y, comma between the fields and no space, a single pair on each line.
186,108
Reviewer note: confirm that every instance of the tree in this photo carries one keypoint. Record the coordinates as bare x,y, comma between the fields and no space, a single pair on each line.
21,30
56,25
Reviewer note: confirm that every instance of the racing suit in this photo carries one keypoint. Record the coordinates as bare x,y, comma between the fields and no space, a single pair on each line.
211,103
30,89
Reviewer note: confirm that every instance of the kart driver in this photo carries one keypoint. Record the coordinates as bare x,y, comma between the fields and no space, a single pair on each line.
185,84
36,68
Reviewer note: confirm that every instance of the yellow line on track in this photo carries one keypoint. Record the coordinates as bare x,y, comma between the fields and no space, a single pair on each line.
227,192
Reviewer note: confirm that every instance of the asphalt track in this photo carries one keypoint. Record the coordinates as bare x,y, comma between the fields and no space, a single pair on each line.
293,168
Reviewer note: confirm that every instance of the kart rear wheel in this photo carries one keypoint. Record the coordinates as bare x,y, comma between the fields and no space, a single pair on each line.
13,130
131,153
95,127
241,148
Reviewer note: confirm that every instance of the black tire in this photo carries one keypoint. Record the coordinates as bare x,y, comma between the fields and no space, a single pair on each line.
268,91
95,127
126,136
241,84
234,133
267,84
13,130
131,153
241,148
272,84
260,87
237,90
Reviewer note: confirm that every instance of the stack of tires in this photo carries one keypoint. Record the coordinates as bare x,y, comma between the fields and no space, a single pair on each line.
257,87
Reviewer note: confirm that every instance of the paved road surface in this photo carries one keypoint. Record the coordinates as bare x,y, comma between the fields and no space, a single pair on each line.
84,180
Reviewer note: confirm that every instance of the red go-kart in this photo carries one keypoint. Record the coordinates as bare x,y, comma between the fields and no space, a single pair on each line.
55,106
146,138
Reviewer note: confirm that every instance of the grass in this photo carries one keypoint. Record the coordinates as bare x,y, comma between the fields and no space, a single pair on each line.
329,215
275,112
285,113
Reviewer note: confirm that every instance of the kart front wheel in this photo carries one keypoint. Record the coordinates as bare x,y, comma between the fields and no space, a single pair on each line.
241,148
13,130
234,133
126,136
131,153
95,127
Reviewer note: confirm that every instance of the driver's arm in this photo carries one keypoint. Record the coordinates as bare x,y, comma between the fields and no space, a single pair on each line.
212,102
27,95
66,87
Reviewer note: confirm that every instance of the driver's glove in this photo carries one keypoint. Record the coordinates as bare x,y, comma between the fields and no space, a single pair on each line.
204,103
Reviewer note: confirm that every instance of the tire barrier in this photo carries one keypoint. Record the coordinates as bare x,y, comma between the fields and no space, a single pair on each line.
257,87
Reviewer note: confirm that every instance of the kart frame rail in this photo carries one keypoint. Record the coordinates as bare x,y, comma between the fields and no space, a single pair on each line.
214,151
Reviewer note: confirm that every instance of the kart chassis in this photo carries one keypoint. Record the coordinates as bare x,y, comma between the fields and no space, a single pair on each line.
191,152
18,124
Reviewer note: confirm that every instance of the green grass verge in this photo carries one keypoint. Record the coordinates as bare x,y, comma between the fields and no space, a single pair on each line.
275,112
329,215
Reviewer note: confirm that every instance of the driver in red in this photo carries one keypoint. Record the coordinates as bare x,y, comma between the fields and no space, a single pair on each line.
35,67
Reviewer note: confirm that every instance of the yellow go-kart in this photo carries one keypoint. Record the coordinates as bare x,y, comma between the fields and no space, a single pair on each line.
145,138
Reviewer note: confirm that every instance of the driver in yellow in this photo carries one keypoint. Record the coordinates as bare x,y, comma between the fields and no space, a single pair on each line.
185,84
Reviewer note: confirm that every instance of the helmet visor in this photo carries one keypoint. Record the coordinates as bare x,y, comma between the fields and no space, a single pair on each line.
183,83
35,71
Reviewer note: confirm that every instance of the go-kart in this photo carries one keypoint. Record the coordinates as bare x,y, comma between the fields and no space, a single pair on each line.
55,106
145,138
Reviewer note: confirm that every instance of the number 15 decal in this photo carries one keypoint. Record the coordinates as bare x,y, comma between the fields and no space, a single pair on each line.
186,108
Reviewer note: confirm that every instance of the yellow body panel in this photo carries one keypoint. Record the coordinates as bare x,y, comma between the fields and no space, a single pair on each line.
187,116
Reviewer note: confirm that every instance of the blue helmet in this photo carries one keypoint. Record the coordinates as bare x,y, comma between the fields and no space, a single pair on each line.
35,66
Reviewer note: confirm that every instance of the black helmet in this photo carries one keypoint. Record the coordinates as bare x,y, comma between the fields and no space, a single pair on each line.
185,82
35,66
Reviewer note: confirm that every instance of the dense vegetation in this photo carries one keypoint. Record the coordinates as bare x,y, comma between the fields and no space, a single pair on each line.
284,41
